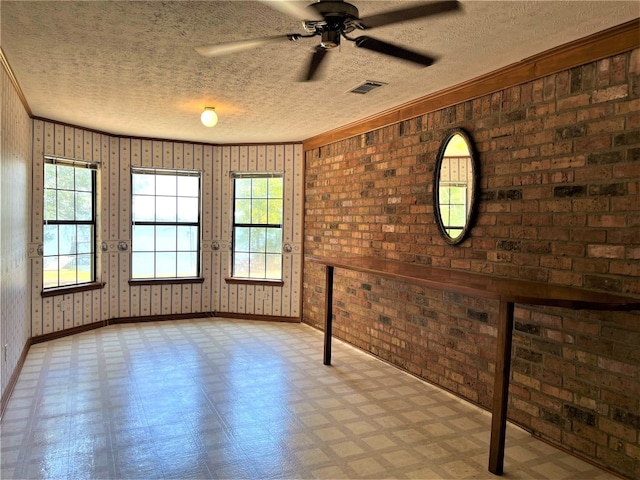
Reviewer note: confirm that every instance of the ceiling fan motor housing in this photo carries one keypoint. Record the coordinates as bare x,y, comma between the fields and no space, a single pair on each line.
337,20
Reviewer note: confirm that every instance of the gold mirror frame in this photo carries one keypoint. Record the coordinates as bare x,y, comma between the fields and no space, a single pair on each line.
455,186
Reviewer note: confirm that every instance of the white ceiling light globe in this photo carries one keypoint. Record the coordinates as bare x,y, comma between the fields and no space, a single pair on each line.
209,117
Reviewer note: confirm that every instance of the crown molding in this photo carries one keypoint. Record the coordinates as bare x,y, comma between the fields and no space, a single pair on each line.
613,41
14,81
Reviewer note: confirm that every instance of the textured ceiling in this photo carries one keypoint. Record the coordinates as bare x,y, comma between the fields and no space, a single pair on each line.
130,68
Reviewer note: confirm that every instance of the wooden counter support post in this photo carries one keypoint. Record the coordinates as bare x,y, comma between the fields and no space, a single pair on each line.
328,313
501,388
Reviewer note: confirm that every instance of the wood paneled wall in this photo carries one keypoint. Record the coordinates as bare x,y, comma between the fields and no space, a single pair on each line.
116,156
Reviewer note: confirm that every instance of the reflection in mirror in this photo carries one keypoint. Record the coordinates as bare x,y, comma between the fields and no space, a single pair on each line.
455,186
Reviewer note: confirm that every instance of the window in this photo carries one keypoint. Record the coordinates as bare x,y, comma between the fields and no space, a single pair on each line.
165,224
453,207
69,223
454,193
257,226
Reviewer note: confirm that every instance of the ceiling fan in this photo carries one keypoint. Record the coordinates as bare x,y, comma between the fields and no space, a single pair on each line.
333,20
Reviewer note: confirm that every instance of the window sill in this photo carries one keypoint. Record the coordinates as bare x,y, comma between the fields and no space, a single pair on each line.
165,281
52,292
254,281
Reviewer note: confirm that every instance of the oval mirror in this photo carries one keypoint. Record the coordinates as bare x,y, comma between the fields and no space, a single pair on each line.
455,186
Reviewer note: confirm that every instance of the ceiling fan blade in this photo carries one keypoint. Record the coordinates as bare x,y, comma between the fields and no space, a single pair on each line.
393,50
314,64
297,10
395,16
226,48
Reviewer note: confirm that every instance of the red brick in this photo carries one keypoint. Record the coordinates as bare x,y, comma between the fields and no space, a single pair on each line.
607,221
606,251
575,101
606,126
578,443
610,93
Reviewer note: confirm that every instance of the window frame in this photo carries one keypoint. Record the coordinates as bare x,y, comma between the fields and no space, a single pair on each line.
93,283
255,280
197,278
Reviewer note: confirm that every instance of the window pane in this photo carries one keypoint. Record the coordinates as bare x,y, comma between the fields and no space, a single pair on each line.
458,195
275,188
166,185
258,242
85,268
165,238
50,205
50,243
143,238
241,239
67,270
241,265
274,240
166,209
444,195
142,184
275,212
453,232
50,272
83,206
67,239
188,186
187,238
142,265
274,266
187,209
83,179
66,205
458,216
49,175
243,211
144,209
65,177
84,239
187,264
259,211
258,267
259,187
445,214
243,188
166,264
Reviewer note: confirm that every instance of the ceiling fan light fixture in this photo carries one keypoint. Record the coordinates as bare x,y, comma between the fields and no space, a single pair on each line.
209,117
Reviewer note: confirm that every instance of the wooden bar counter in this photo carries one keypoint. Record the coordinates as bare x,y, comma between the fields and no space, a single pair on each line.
507,291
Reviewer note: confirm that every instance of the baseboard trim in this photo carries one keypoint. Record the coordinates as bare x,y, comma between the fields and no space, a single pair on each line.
68,331
263,318
14,378
158,318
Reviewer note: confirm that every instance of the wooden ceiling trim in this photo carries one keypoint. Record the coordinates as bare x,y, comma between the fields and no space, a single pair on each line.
14,81
613,41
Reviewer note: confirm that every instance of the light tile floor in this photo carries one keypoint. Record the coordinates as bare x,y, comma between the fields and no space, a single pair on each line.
217,398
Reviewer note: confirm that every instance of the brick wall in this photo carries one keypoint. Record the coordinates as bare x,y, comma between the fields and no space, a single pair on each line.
560,203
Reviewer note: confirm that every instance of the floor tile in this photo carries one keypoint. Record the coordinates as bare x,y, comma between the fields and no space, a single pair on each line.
220,398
